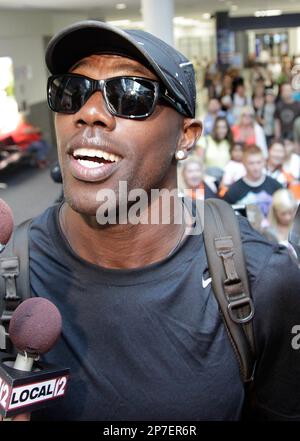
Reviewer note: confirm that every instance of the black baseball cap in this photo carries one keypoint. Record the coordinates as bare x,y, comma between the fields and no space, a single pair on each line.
89,37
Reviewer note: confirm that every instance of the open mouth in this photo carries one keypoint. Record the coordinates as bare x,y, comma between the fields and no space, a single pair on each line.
92,165
93,158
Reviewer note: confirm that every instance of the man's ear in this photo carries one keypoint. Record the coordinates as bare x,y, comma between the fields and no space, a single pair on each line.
190,133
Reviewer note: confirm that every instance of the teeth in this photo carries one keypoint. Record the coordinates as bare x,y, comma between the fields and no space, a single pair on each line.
95,153
89,164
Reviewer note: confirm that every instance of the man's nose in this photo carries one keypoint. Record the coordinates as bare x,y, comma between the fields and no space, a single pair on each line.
95,112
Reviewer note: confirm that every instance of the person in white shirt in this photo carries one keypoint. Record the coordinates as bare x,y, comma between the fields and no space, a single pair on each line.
274,165
281,215
240,100
292,162
235,168
268,115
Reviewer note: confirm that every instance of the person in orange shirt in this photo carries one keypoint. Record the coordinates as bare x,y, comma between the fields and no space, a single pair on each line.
25,134
29,138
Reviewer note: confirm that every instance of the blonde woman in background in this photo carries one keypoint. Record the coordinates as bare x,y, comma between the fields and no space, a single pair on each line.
194,182
281,216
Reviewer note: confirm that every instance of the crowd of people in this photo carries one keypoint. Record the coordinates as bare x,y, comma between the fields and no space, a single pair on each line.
249,151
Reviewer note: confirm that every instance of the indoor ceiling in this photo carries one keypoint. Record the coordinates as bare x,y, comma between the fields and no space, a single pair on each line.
132,7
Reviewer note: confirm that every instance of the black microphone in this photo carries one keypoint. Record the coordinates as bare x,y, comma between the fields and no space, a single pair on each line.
26,384
6,224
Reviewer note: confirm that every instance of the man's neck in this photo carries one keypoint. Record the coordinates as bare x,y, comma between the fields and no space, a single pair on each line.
120,246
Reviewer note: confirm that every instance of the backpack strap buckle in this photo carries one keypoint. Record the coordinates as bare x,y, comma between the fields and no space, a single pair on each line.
235,306
240,305
14,278
9,270
225,250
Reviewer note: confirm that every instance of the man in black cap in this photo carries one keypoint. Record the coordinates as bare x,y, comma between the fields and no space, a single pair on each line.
142,332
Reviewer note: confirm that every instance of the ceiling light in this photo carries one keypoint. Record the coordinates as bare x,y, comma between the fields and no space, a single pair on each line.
268,13
121,6
206,16
127,23
120,22
183,21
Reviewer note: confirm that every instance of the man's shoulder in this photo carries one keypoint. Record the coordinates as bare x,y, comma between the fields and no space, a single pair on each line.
274,281
272,182
238,184
257,249
236,188
269,264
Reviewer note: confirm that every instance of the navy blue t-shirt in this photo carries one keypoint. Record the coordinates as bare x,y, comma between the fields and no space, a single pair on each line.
150,343
242,193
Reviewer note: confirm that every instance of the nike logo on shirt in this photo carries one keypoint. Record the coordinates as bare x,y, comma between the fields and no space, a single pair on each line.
206,282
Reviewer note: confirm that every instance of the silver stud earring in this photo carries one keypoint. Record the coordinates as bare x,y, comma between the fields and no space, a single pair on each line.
179,155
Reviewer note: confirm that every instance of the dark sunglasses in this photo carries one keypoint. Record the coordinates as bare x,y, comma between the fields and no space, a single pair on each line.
127,97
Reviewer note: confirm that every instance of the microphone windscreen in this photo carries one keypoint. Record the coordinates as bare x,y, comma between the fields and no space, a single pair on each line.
35,326
6,222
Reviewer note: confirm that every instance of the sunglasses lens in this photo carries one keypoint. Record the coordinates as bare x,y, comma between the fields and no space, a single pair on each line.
125,96
129,97
67,94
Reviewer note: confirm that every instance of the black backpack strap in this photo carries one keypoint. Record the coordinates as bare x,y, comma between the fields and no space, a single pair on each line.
294,234
230,281
14,276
